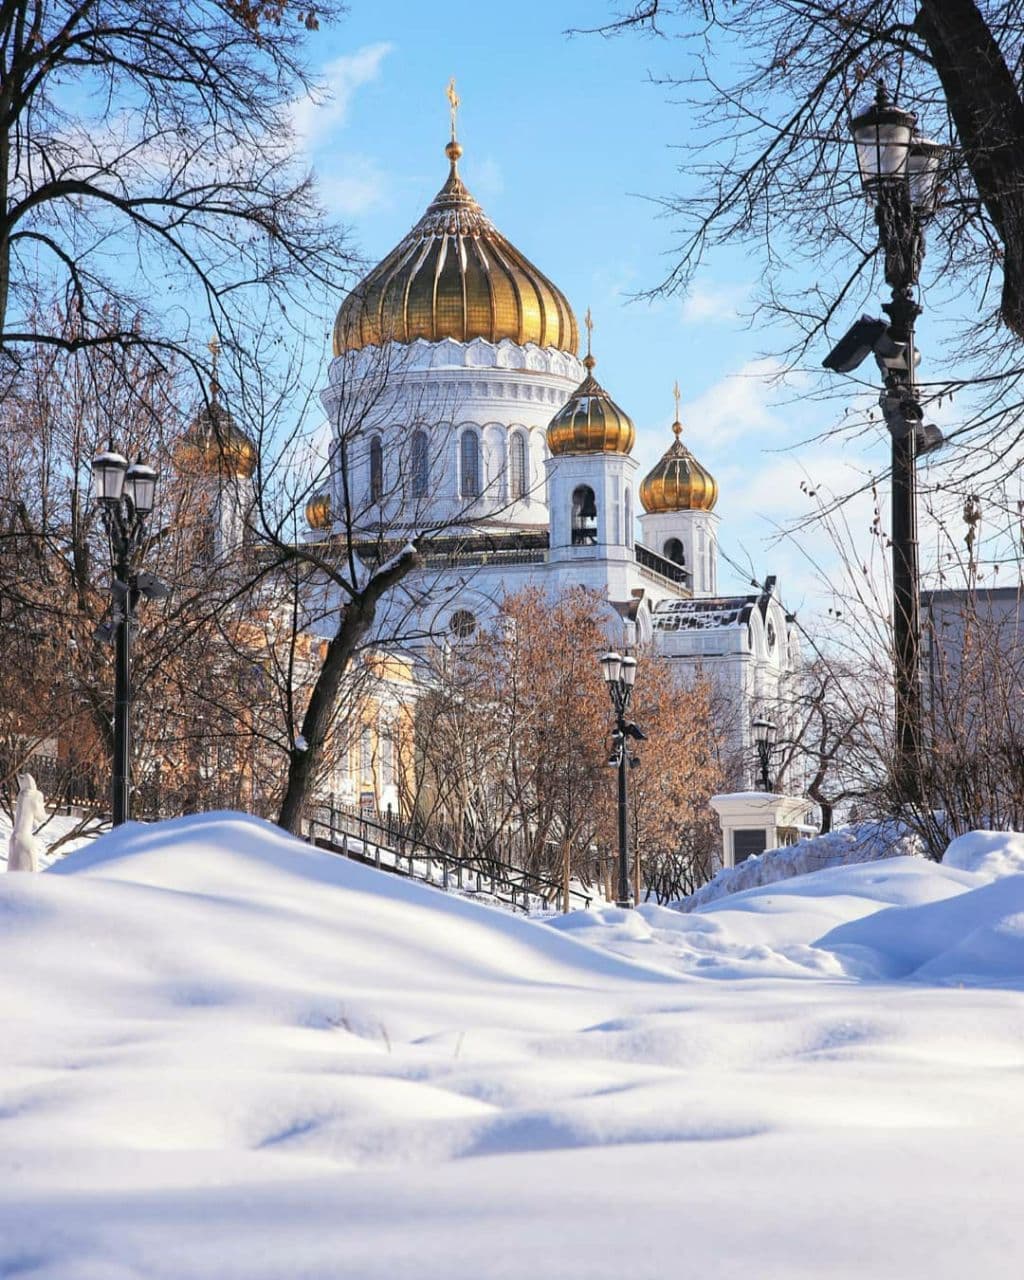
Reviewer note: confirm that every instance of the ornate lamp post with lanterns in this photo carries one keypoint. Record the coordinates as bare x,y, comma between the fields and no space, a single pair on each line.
899,175
126,495
620,676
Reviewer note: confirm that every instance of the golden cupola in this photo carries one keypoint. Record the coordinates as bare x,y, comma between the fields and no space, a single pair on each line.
590,421
678,482
214,443
455,276
318,510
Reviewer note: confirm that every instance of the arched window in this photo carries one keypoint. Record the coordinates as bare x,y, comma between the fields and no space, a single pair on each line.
673,550
584,516
463,624
419,465
376,469
629,517
470,465
518,477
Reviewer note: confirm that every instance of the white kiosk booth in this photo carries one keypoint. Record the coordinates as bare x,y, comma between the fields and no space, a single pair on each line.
753,821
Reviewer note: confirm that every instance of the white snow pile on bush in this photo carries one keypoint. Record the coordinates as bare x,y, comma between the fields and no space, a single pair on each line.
227,1056
56,827
846,846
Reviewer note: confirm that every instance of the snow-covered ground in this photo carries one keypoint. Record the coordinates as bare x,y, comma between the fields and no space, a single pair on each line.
224,1055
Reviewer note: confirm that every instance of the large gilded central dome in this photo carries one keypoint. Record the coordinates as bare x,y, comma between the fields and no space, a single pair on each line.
455,276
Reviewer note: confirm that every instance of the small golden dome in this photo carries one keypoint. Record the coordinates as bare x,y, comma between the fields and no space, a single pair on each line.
678,482
590,421
455,276
318,510
215,443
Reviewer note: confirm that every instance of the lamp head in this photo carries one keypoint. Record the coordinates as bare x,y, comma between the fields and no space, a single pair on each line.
611,666
108,472
923,165
627,673
882,136
764,731
140,486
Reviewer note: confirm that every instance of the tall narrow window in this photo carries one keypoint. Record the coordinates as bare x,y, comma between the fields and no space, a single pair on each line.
366,756
584,516
629,517
419,465
518,481
376,469
385,735
470,459
673,550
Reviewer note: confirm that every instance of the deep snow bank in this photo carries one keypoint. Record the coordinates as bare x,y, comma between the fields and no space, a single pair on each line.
225,1055
846,846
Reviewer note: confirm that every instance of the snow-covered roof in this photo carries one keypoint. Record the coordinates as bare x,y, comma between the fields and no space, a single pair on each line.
703,615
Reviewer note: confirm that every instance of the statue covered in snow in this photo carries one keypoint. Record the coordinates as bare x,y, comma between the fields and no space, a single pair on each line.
30,811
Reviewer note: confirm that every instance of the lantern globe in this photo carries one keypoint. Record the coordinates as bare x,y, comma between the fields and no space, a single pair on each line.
108,472
882,135
611,666
140,486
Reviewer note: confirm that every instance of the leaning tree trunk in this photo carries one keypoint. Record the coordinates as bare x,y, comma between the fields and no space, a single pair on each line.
986,108
356,622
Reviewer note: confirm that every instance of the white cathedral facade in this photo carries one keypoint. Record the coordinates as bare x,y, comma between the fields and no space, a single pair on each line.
461,409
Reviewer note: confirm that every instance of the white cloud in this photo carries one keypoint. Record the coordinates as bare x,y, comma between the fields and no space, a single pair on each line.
352,186
316,116
741,403
711,303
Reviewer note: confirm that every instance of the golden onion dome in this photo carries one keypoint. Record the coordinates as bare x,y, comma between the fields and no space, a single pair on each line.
590,421
678,482
318,510
455,276
214,443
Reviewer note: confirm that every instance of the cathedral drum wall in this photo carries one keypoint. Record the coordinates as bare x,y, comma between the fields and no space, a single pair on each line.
500,395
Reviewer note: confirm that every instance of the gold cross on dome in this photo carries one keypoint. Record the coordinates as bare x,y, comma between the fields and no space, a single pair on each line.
588,320
454,102
678,396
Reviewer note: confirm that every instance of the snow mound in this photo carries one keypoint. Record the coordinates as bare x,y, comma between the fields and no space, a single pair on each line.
988,853
226,1054
858,842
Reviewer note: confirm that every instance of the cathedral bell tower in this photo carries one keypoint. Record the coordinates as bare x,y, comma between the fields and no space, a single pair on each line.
678,497
217,460
590,473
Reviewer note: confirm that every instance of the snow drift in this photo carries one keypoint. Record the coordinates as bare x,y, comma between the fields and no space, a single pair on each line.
227,1055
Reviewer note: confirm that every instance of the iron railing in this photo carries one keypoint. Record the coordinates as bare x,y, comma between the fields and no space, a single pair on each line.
401,848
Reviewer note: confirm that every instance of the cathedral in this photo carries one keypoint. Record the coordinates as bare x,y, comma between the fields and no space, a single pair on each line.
460,408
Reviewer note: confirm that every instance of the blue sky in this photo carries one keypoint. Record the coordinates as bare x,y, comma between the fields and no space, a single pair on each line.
568,143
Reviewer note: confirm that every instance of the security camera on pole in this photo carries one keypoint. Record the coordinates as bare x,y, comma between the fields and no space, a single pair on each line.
899,174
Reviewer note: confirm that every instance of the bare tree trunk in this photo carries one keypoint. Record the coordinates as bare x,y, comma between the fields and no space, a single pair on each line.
989,115
356,622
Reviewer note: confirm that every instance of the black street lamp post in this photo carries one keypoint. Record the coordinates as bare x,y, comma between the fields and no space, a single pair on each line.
126,495
764,737
899,175
620,676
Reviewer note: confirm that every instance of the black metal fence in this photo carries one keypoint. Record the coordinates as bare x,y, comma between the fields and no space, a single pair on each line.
390,844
